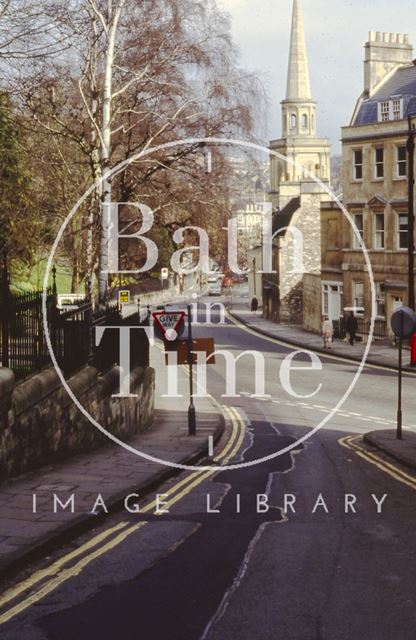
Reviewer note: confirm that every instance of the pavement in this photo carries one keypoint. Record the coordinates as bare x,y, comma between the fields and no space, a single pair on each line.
381,353
403,450
112,471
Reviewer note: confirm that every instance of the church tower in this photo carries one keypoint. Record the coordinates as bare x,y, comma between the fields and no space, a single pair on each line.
299,142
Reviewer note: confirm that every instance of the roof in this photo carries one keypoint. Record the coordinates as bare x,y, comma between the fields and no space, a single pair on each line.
402,83
281,219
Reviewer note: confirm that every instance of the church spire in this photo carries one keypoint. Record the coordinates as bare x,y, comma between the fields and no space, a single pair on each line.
298,86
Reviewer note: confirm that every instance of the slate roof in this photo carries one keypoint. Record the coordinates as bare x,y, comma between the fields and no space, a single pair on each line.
401,84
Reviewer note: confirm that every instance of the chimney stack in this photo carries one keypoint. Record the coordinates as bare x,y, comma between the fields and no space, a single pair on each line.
383,53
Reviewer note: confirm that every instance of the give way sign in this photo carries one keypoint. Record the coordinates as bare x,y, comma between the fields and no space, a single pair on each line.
169,323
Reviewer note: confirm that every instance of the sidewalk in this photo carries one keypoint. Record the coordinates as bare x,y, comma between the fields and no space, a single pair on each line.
380,354
384,440
402,450
110,471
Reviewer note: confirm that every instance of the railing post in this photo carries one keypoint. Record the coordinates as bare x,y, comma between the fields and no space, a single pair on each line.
90,321
5,317
54,314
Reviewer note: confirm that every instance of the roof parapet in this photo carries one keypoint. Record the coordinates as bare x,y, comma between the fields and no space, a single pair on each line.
388,38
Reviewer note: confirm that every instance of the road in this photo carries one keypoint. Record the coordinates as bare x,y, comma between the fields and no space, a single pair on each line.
314,544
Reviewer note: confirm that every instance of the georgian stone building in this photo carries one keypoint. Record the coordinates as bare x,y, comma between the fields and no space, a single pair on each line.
375,178
295,196
375,168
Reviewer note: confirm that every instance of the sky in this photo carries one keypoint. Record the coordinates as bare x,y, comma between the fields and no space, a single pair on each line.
335,36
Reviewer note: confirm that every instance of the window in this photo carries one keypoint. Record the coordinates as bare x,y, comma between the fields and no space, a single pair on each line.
293,121
379,231
402,234
384,111
379,162
401,162
325,297
359,223
397,109
358,164
304,121
358,297
380,299
390,110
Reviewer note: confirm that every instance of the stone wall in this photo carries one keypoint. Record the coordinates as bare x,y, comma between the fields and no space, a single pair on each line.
40,424
303,239
312,302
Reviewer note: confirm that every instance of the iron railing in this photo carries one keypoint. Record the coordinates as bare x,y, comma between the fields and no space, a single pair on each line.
363,330
23,346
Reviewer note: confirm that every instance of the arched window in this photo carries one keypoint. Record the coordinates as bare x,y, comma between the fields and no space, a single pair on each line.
305,121
293,121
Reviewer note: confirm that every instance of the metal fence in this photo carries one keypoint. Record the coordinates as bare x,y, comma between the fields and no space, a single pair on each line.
23,346
380,328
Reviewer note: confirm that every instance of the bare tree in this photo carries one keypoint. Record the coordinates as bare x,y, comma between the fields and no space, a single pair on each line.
137,75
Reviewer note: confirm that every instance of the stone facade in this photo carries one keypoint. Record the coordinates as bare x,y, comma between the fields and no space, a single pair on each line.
300,252
40,424
312,302
375,177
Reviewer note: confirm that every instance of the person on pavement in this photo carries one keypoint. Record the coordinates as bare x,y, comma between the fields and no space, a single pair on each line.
327,332
352,328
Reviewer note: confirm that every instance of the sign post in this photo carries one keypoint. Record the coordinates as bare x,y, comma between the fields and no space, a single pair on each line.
403,323
191,408
169,324
124,297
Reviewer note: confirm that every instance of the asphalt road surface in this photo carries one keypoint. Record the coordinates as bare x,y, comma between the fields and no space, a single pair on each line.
317,543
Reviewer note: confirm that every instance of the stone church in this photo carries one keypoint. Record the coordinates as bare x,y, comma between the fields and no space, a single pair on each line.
296,159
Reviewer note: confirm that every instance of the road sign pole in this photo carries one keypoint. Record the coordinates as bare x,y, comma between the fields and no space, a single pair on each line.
399,390
191,408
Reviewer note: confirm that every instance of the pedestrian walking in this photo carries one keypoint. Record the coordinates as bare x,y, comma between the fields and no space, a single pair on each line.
327,332
352,328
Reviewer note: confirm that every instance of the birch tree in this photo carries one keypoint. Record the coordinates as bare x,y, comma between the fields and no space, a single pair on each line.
139,74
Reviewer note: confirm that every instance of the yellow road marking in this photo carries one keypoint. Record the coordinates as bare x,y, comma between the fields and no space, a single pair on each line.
12,593
58,577
349,442
68,573
236,421
197,474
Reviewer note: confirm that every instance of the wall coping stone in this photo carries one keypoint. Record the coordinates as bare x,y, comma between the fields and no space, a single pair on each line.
7,381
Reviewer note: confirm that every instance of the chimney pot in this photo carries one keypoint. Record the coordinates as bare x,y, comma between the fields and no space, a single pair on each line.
378,36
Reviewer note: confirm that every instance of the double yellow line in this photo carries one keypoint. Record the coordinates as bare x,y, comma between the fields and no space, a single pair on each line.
56,574
350,442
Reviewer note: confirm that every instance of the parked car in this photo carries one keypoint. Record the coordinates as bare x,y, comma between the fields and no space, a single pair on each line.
214,290
70,301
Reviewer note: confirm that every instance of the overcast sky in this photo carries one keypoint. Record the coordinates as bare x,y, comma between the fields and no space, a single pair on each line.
335,35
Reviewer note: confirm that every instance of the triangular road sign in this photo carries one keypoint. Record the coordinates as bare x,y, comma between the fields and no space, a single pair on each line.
169,323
